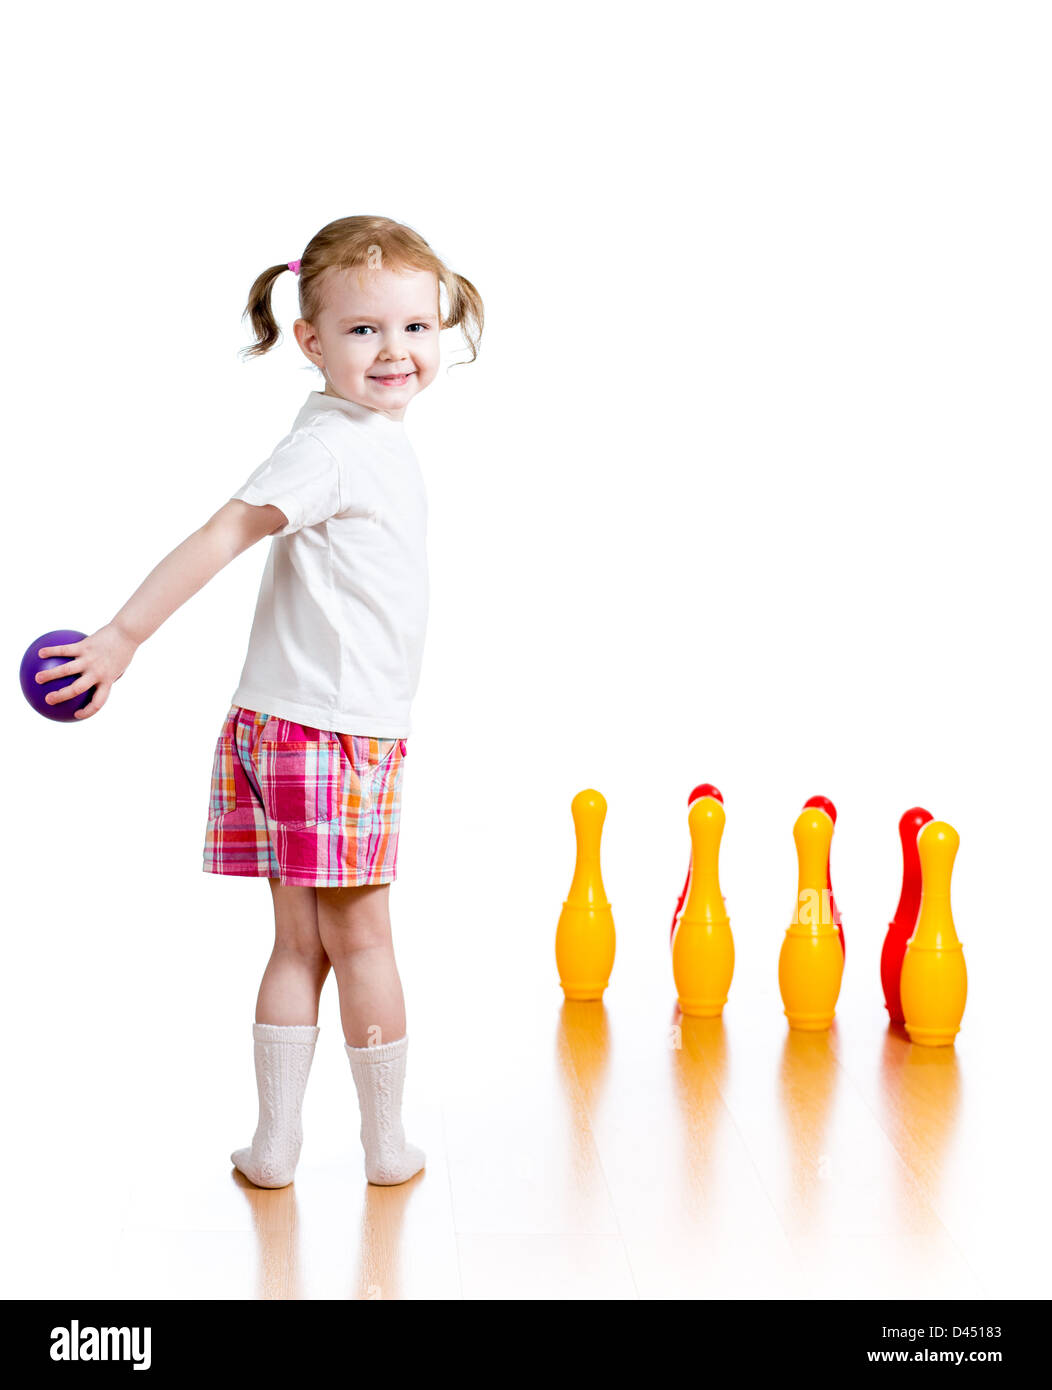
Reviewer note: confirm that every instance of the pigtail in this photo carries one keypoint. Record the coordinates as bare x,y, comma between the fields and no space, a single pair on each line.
465,308
264,324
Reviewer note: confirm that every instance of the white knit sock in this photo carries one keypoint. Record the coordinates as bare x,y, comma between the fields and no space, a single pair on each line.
379,1073
283,1061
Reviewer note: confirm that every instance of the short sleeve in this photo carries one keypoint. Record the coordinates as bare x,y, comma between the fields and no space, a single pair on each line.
301,477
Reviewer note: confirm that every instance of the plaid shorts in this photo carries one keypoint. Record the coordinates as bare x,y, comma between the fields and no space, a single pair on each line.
303,805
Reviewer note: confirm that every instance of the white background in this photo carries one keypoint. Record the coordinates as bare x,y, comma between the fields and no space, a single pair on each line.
748,484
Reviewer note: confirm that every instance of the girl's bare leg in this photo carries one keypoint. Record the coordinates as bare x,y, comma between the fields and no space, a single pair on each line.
298,965
284,1036
354,927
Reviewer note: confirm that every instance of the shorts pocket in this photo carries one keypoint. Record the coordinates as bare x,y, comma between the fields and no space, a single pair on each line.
372,764
224,792
299,781
386,750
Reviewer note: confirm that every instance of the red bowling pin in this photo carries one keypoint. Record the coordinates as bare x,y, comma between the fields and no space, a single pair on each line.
900,928
823,803
704,789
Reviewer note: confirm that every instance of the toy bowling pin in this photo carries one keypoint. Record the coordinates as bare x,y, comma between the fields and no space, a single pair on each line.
702,945
934,982
900,928
811,964
584,938
704,789
824,803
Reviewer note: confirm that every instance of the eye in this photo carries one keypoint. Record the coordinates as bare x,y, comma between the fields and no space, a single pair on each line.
361,328
422,326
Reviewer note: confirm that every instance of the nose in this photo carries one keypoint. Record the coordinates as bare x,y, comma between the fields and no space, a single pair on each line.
392,352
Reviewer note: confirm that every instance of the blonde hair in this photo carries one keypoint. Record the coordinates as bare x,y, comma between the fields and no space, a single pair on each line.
370,242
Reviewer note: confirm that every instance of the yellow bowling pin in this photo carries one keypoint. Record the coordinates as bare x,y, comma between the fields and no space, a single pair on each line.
934,983
702,946
811,964
584,938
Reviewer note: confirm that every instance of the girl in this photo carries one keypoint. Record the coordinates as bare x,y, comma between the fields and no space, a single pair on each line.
307,773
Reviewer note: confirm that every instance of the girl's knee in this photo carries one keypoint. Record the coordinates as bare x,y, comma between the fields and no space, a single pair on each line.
296,922
311,954
353,919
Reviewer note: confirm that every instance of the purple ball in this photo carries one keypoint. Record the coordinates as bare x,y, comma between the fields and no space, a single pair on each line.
34,692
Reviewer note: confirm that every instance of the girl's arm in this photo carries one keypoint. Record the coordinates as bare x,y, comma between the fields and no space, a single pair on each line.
102,658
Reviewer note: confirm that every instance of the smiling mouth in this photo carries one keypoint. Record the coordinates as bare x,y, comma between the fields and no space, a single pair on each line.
393,378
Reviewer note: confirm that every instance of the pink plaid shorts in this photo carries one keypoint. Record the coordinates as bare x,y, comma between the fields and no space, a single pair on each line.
303,805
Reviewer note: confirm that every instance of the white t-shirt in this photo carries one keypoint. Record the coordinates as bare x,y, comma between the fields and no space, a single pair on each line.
338,633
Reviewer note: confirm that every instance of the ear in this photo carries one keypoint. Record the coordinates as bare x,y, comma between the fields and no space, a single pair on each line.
310,344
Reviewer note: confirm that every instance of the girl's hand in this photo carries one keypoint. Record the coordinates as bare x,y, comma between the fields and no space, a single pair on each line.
99,660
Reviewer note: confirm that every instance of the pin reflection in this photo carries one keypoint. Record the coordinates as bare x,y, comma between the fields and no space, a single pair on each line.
699,1069
583,1054
920,1090
807,1087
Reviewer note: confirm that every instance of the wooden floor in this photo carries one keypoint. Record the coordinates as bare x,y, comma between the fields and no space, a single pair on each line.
578,1151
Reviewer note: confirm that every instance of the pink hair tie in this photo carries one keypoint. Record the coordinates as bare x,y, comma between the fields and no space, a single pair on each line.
294,266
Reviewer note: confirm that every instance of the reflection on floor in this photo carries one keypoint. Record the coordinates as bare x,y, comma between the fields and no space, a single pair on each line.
574,1150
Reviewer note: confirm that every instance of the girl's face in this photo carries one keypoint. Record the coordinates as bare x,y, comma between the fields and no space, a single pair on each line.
376,339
